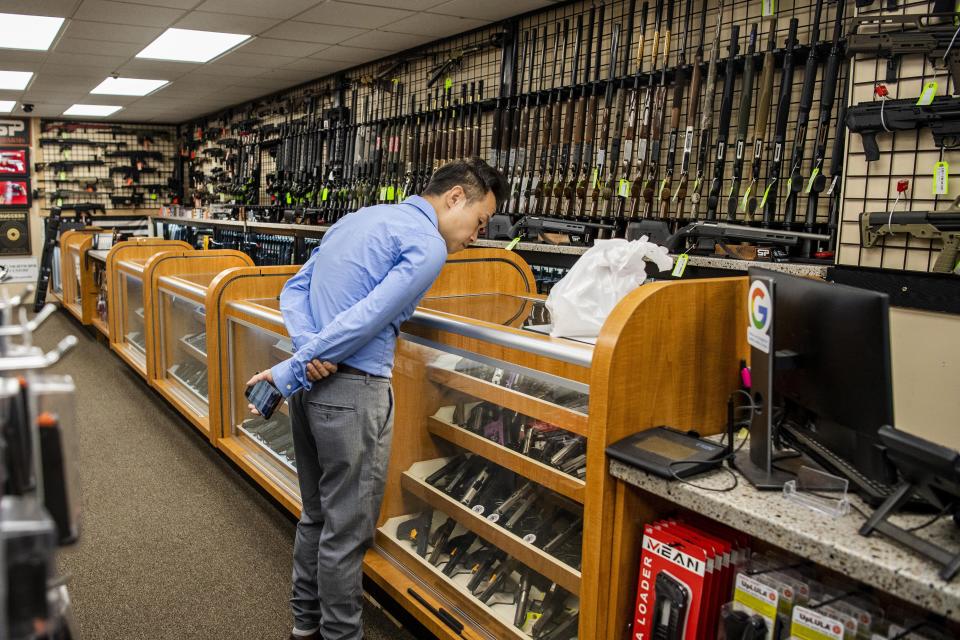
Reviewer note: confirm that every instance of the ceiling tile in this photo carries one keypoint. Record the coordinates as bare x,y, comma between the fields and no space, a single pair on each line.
111,33
389,41
297,76
120,100
282,9
55,8
277,47
173,4
51,83
22,60
489,9
225,23
189,94
234,70
97,47
155,69
434,25
411,5
315,65
353,15
253,60
310,32
85,59
200,81
123,13
355,55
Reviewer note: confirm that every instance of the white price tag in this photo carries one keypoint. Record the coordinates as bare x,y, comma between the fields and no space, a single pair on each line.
940,177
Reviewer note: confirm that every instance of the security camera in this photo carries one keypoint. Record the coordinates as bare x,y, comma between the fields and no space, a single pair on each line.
27,107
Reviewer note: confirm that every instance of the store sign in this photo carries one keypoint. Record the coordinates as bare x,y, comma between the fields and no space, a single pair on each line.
15,131
19,269
759,316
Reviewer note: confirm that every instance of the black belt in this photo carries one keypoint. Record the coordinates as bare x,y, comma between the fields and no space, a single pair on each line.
345,368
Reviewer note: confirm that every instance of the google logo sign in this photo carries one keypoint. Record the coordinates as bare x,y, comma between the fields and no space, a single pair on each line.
758,301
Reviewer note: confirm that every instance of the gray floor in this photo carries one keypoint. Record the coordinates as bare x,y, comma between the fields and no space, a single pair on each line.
175,543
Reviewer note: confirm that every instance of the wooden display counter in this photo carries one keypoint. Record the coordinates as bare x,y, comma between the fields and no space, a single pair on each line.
175,308
78,287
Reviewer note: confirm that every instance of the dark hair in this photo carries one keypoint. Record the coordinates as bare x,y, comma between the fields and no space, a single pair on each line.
473,174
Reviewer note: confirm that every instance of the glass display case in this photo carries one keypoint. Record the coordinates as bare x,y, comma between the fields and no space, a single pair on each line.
256,340
487,481
131,339
182,344
101,310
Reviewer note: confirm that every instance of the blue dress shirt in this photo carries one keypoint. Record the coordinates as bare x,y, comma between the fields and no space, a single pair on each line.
346,304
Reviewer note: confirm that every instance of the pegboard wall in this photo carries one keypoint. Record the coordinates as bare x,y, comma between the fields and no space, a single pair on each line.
516,93
905,155
98,167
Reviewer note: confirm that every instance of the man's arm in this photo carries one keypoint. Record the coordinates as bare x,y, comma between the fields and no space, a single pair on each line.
295,303
412,274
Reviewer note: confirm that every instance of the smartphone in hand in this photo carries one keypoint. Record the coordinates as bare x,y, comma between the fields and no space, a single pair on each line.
265,397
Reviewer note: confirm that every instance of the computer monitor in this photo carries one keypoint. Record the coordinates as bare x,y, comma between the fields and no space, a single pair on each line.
823,383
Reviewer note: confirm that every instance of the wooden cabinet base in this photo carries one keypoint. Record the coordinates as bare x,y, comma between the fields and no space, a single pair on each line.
280,484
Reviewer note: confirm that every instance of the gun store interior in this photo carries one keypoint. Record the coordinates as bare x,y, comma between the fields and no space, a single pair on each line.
438,319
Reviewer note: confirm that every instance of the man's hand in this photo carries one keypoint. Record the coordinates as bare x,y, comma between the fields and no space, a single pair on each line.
317,370
263,375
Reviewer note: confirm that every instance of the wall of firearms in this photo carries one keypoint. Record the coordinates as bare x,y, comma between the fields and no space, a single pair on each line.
601,113
96,167
909,176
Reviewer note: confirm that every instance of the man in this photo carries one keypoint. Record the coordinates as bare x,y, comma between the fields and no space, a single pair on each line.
343,311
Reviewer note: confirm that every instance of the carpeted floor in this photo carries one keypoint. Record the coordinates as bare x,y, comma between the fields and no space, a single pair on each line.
175,544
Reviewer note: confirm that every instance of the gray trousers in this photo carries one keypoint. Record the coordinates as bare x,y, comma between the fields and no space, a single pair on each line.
342,428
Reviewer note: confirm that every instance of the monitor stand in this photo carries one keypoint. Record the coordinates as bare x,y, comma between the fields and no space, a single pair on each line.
762,465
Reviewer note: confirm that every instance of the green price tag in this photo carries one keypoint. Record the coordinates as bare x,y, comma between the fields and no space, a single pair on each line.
401,194
928,94
768,8
289,199
680,266
513,243
623,190
62,175
59,202
390,193
813,176
766,194
153,196
745,198
594,178
941,175
324,194
447,84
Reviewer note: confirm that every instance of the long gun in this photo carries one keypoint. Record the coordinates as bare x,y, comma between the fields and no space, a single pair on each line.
532,179
601,183
586,124
564,189
771,193
69,165
646,111
546,117
817,180
836,169
916,34
611,188
795,181
556,124
630,126
693,110
523,129
749,201
658,120
942,117
718,232
743,124
927,225
676,105
706,119
723,127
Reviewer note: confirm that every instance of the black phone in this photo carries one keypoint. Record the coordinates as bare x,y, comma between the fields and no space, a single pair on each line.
264,397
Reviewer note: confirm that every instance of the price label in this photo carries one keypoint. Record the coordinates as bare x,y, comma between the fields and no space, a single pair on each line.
401,194
940,177
391,192
324,194
153,196
680,266
928,94
594,178
813,176
383,193
768,8
510,247
447,84
623,188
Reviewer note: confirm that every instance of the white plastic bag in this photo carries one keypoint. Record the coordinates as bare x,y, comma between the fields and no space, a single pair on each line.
580,303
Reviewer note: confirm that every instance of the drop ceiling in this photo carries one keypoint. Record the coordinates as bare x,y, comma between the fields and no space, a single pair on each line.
295,41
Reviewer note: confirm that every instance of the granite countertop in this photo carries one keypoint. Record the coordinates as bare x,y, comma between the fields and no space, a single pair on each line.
833,543
98,255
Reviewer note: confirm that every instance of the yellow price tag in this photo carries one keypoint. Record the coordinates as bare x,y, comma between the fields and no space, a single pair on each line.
324,194
680,266
813,176
448,84
390,193
928,94
623,190
513,243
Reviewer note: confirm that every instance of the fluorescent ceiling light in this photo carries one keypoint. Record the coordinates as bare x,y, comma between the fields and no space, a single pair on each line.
15,80
189,45
91,110
6,106
35,33
128,86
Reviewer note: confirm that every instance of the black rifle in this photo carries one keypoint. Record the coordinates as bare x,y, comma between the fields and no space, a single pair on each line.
706,233
743,124
136,156
915,34
836,169
68,165
533,132
680,80
658,119
585,125
564,188
706,120
817,180
646,117
795,181
69,143
83,207
723,127
693,110
868,119
601,182
771,193
927,225
749,201
51,238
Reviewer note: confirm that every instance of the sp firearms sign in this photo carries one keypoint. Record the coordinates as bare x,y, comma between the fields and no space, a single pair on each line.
15,131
